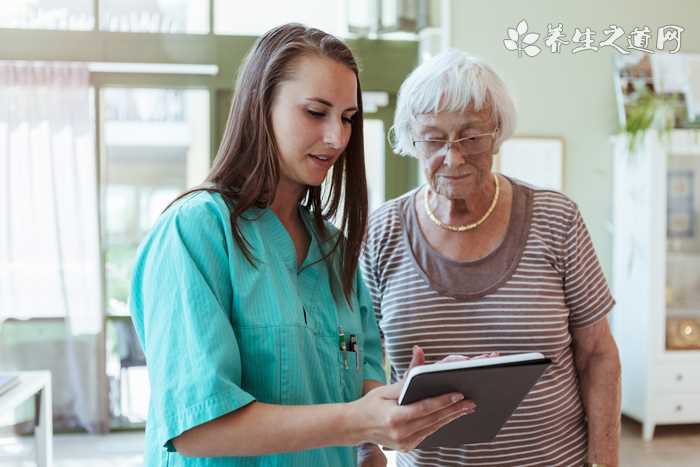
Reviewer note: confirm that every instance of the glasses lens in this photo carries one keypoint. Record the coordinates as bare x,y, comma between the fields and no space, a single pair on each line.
475,144
429,148
472,145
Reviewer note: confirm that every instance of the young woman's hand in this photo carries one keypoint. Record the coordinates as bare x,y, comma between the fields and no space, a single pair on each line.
380,420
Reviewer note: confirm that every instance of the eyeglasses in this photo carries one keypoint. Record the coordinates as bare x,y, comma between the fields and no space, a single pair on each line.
474,144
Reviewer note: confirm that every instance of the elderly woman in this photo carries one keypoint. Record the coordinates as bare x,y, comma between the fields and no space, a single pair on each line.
475,262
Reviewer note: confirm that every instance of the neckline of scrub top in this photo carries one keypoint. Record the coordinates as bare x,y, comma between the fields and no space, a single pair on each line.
280,236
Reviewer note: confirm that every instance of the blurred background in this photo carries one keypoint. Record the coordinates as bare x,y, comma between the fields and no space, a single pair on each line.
110,108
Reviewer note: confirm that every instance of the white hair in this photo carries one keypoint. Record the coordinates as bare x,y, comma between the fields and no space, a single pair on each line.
449,82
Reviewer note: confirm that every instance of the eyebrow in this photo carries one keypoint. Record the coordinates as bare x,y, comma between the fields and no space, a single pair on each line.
329,104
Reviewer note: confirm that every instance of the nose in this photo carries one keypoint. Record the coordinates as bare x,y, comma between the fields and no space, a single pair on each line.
453,158
334,135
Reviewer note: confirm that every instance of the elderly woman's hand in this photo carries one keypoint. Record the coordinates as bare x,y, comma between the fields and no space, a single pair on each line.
457,358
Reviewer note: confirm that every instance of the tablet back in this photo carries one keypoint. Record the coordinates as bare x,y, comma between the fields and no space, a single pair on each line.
496,390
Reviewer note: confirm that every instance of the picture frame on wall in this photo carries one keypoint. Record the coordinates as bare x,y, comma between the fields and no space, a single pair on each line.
537,160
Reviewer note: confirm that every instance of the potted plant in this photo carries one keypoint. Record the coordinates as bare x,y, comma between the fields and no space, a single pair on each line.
649,111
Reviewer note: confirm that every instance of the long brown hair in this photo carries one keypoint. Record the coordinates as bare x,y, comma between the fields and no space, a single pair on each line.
246,168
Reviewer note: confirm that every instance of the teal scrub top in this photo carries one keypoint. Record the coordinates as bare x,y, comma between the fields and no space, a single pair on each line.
219,333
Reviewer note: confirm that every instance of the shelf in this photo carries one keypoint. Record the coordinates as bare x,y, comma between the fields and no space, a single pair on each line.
681,312
682,256
685,142
680,356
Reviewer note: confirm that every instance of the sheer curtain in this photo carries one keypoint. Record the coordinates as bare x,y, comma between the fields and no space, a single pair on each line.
49,231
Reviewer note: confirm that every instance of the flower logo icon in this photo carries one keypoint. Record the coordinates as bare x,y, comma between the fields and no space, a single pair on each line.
522,41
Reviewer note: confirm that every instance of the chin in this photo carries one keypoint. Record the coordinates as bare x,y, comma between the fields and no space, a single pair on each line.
316,180
313,181
454,193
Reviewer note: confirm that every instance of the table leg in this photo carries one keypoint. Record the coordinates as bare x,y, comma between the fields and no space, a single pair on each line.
43,432
648,430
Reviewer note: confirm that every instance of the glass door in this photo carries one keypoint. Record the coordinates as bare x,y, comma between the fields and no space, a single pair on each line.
155,145
683,253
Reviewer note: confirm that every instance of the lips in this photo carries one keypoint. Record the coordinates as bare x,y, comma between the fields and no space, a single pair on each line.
321,157
322,160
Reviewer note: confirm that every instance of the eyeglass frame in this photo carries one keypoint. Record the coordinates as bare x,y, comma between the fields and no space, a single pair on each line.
448,143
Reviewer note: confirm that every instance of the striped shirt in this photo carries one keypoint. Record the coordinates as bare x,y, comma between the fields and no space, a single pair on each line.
543,280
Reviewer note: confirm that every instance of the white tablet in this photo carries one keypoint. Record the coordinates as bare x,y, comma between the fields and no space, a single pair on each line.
497,385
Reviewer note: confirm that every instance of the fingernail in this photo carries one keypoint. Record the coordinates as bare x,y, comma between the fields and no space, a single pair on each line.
457,397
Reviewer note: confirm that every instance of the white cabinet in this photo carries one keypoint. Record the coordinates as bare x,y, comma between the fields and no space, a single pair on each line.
656,277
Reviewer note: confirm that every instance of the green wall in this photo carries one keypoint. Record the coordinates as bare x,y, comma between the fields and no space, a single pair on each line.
566,95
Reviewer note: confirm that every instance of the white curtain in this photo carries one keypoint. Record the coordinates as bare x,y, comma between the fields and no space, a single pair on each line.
49,236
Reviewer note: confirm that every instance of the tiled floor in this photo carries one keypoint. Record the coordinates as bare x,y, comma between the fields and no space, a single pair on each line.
673,446
113,450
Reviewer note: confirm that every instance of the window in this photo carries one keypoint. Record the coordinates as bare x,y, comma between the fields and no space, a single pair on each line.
256,17
75,15
156,145
47,167
161,16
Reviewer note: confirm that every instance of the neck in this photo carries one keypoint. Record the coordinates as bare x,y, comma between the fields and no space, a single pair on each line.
286,202
464,210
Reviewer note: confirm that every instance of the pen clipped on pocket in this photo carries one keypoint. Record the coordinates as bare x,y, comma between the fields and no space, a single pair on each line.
351,344
355,347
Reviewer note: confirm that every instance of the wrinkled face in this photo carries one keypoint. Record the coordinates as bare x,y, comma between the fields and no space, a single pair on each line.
312,118
453,174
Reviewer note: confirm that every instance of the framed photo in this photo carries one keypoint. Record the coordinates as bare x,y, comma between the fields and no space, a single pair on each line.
536,160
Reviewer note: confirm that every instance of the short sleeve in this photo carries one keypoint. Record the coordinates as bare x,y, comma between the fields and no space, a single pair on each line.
373,354
585,289
369,274
181,304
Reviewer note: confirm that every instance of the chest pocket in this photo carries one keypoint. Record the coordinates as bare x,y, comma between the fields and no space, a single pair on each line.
289,340
314,369
351,364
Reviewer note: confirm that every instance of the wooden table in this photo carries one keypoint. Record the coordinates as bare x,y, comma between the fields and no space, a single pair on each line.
36,384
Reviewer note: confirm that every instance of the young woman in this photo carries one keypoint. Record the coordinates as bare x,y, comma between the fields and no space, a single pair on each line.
259,334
